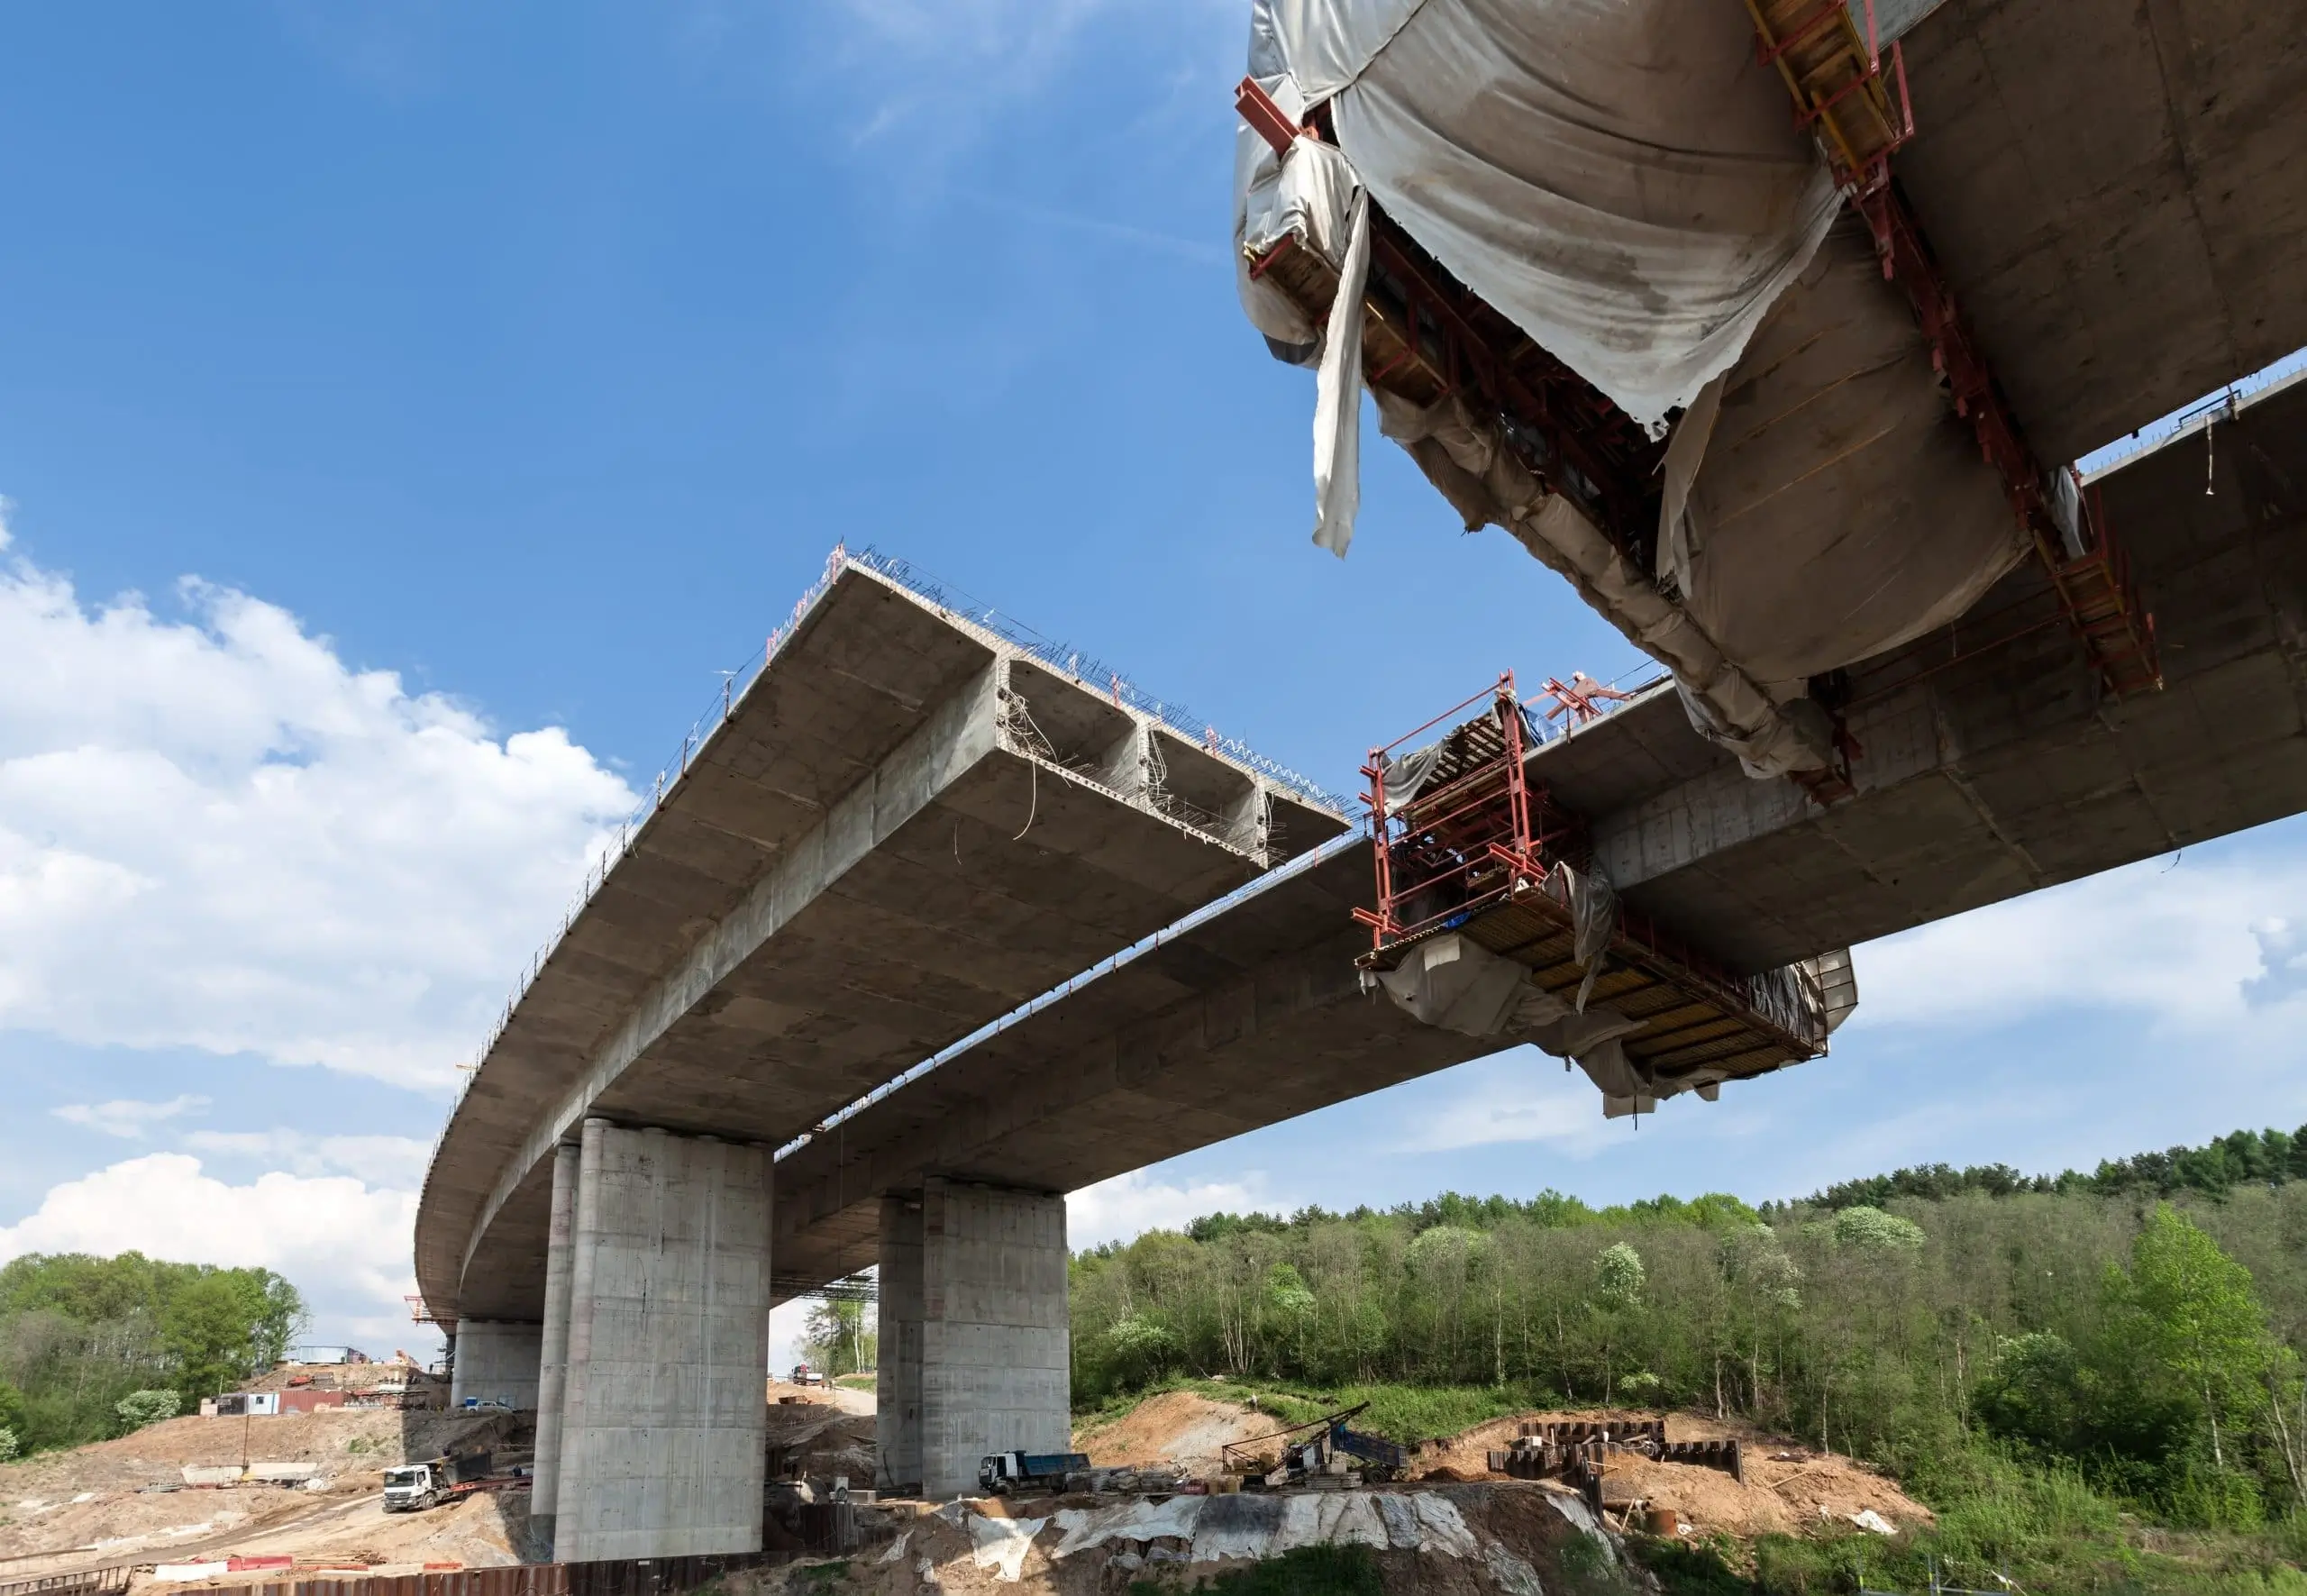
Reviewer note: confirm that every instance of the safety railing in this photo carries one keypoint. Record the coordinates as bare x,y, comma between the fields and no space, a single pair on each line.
948,601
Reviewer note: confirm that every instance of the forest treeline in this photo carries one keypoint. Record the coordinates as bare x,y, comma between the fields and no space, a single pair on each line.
93,1347
2140,1326
2244,1158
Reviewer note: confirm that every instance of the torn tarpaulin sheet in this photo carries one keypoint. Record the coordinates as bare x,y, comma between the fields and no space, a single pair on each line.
1454,982
1593,917
1613,176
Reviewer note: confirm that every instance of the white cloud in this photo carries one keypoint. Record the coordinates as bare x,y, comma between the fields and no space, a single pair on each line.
126,1117
214,833
391,1161
343,1244
789,1324
948,64
1132,1204
2184,945
1522,1096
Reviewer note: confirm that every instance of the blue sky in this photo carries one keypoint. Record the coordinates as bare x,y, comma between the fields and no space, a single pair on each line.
407,411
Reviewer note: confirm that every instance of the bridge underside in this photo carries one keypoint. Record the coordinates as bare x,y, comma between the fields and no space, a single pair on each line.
2116,195
1990,765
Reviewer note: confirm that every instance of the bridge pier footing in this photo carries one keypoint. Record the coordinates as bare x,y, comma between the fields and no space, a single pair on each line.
662,1407
495,1361
975,1349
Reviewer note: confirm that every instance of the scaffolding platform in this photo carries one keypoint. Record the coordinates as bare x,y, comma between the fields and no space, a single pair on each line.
1466,843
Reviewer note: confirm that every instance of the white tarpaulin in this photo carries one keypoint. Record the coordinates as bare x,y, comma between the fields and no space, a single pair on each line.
1454,982
1611,175
1622,182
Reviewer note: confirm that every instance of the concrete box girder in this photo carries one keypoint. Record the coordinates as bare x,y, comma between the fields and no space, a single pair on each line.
2116,196
1993,770
771,948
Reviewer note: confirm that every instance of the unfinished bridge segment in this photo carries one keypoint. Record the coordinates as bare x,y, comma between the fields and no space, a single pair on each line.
904,826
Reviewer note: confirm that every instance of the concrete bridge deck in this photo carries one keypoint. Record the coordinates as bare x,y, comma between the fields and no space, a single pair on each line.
1979,780
905,828
2117,197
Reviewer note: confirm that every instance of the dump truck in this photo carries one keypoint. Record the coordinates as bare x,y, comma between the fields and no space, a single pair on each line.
412,1487
1005,1472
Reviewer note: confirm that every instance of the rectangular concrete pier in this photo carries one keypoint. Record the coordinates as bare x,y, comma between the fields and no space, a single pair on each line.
552,1371
496,1362
663,1404
976,1348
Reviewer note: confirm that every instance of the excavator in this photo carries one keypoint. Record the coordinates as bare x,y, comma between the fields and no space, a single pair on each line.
1319,1449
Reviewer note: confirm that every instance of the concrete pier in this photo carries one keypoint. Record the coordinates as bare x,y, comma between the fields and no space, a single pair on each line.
663,1405
496,1362
553,1370
976,1353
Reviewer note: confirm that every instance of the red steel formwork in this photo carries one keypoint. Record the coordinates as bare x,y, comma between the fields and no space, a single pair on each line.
1842,93
1476,847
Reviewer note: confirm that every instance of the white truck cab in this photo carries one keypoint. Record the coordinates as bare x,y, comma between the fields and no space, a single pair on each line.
415,1486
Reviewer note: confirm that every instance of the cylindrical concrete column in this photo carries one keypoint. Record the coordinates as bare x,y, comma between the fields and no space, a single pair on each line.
552,1368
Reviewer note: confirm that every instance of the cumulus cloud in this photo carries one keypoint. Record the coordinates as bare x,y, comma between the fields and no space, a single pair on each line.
216,833
344,1243
126,1117
1132,1204
384,1161
2178,942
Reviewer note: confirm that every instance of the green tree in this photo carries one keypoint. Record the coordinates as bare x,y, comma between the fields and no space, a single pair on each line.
1619,1280
140,1407
222,1325
837,1340
1872,1230
2192,1309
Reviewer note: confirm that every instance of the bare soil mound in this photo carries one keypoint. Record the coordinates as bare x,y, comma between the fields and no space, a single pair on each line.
1178,1426
126,1500
1789,1489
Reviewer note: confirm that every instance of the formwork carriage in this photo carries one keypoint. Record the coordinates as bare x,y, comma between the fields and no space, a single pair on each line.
1465,841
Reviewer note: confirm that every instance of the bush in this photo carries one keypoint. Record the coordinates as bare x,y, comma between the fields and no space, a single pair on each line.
7,1444
140,1407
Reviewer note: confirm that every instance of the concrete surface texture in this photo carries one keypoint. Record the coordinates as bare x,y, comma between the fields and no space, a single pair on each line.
552,1351
896,1368
496,1362
2116,195
1256,1015
976,1350
905,827
661,1436
1992,764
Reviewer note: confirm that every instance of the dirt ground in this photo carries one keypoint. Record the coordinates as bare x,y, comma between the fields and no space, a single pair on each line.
820,1435
845,1398
1177,1426
936,1552
126,1501
1789,1489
